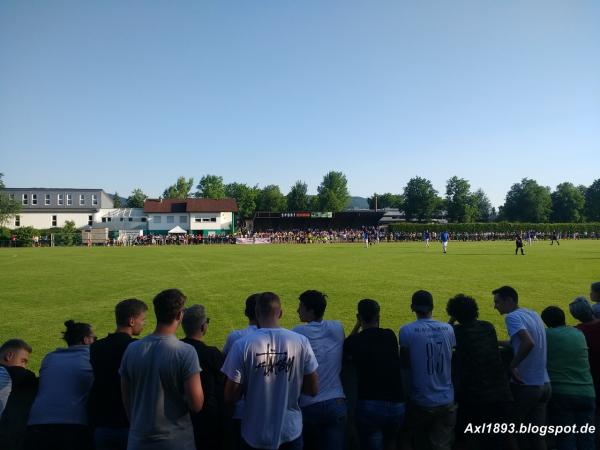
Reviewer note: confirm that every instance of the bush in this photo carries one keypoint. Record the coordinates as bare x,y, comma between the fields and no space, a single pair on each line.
496,227
25,236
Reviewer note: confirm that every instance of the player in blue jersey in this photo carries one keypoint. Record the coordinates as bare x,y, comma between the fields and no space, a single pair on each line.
444,237
366,237
426,237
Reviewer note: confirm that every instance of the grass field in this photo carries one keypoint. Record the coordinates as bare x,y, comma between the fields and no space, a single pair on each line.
42,287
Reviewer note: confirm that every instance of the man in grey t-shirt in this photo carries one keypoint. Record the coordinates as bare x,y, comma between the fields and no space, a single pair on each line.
160,382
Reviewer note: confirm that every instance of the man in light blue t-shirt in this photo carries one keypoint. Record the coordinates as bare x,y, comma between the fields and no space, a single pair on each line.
530,383
428,344
323,416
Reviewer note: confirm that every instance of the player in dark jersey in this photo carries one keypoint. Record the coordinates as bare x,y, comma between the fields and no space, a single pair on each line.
519,244
554,237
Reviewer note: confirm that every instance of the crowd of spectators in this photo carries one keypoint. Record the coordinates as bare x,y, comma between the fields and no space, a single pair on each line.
428,386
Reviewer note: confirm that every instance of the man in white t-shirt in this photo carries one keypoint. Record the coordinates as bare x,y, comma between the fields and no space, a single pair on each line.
271,366
530,383
428,344
324,416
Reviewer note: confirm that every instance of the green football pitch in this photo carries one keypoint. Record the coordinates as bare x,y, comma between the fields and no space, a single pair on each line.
43,287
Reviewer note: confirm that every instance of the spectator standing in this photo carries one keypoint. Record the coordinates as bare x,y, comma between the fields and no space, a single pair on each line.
58,417
323,416
105,406
250,313
272,366
160,382
5,388
481,384
380,408
14,357
590,327
427,345
595,298
518,244
209,423
530,384
573,397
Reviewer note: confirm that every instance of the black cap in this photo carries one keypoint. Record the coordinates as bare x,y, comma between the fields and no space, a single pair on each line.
422,301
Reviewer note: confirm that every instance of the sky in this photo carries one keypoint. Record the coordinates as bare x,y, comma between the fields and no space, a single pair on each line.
119,94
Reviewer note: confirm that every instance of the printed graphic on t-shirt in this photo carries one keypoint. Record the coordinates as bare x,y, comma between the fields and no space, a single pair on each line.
273,362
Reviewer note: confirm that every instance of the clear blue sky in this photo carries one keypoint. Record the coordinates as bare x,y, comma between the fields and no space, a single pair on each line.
123,94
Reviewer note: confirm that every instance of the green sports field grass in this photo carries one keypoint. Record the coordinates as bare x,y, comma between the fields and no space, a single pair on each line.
40,288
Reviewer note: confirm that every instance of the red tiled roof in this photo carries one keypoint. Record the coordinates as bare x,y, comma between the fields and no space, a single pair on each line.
190,205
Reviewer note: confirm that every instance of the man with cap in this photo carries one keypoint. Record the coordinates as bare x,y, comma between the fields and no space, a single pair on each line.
426,345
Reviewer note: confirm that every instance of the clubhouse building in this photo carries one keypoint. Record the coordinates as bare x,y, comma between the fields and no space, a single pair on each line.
44,208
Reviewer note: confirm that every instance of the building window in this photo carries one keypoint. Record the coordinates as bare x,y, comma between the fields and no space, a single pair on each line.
34,199
69,199
47,199
54,221
121,219
197,219
109,219
144,219
170,219
94,199
156,219
11,197
17,221
81,199
90,220
25,199
60,199
213,219
104,220
182,219
131,219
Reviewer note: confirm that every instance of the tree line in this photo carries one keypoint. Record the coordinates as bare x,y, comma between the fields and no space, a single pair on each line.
526,201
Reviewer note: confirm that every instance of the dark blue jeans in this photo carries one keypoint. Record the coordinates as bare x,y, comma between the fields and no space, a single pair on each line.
324,423
378,423
110,438
296,444
573,410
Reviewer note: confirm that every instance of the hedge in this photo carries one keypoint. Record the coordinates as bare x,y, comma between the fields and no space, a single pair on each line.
497,227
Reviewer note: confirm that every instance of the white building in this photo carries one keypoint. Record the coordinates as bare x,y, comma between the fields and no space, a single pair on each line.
195,215
44,208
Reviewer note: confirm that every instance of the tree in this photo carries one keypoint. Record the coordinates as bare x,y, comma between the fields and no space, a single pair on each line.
333,192
420,199
592,201
271,199
117,200
483,206
297,198
8,207
245,197
136,199
180,190
460,203
567,203
527,201
211,186
386,200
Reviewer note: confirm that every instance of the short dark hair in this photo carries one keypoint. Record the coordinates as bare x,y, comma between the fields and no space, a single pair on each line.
314,301
368,310
250,311
596,287
266,303
507,292
554,317
463,308
193,319
76,332
15,344
581,309
167,304
422,302
125,309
